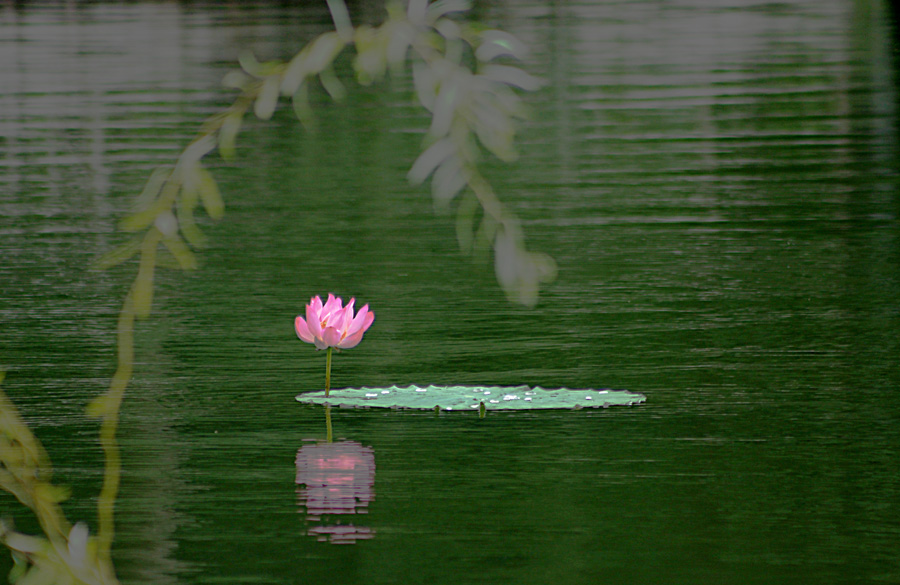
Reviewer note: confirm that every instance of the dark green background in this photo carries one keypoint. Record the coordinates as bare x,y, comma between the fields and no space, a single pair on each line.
717,183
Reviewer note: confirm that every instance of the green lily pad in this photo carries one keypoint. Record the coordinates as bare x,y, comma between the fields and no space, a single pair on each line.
472,397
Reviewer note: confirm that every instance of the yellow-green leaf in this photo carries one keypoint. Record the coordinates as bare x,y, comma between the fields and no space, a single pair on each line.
302,110
249,63
267,99
145,218
370,63
429,160
400,34
323,51
236,79
51,493
448,180
183,255
119,254
498,43
209,194
152,187
426,83
332,84
196,150
296,72
24,543
185,211
511,76
441,8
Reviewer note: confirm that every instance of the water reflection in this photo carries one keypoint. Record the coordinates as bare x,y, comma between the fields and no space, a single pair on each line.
336,479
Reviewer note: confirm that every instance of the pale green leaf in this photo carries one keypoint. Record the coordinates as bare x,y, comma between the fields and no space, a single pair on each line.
152,188
209,194
190,196
416,11
47,571
142,219
505,100
302,110
370,62
441,8
24,543
448,29
47,493
312,59
332,84
450,95
249,63
183,255
506,260
495,131
196,150
165,259
498,43
400,35
78,545
544,265
510,75
236,79
296,73
520,272
473,398
426,84
323,51
119,254
267,100
448,180
20,567
430,159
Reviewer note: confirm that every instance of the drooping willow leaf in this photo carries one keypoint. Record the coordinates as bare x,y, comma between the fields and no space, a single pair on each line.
472,398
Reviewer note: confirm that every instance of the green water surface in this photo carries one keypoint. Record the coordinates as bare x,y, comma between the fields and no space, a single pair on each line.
717,184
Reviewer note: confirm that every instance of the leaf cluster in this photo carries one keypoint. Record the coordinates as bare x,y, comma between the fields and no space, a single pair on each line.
66,554
463,77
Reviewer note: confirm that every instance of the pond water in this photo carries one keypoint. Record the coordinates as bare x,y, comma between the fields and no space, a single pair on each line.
716,182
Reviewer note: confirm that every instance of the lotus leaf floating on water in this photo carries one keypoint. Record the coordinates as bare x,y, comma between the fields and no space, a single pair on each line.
472,397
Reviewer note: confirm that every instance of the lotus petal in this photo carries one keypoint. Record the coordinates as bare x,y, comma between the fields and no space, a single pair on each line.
303,330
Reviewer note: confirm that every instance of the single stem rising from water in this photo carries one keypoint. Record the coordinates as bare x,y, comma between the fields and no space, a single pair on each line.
328,371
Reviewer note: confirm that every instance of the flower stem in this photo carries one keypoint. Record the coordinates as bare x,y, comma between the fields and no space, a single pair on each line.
328,372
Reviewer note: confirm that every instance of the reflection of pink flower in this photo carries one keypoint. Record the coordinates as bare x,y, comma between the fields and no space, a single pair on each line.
341,533
331,325
336,478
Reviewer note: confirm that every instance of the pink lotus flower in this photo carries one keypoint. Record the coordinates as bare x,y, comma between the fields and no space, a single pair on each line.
331,325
